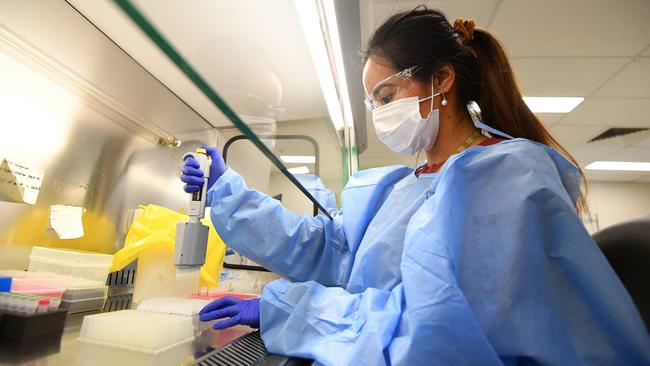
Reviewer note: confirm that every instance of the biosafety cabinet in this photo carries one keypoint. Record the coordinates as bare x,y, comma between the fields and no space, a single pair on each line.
100,100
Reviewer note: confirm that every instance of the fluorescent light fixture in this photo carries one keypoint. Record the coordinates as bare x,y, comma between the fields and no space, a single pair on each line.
311,26
333,28
552,104
298,159
299,170
619,165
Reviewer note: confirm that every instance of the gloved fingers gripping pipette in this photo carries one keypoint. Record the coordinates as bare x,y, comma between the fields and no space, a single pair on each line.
192,236
192,173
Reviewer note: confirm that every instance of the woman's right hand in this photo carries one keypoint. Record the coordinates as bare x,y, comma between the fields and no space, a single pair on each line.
192,175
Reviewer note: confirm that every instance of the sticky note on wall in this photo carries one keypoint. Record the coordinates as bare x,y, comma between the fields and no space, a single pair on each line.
66,221
19,183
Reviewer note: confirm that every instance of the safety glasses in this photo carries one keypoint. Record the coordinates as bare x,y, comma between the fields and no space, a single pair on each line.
391,88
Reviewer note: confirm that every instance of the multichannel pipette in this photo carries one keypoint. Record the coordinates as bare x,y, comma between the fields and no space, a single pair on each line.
192,236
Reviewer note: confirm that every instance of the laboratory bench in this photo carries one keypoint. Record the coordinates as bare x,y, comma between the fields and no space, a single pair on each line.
239,345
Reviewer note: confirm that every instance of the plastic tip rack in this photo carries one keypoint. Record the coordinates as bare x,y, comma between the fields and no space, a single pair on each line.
187,281
23,303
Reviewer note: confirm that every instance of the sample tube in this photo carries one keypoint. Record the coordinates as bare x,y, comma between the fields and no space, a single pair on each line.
43,305
26,303
54,303
4,301
31,304
15,303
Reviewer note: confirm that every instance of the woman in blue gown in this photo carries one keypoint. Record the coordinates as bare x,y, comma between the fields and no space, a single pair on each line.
477,258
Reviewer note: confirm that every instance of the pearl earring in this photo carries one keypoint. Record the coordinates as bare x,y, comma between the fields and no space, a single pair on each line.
444,100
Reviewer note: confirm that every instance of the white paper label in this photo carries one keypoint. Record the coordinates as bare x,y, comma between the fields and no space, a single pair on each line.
66,221
19,183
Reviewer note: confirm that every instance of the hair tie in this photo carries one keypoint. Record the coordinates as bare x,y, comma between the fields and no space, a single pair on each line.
465,29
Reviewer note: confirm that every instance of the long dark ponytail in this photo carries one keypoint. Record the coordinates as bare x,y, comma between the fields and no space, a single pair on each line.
424,37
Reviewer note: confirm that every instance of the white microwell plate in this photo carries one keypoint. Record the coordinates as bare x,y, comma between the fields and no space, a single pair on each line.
135,337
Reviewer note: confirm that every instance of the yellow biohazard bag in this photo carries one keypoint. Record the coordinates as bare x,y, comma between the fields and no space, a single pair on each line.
155,228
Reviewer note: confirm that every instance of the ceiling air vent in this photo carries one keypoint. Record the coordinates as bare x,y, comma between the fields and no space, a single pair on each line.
615,132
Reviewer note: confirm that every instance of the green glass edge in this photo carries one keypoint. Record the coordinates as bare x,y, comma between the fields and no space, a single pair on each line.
346,167
157,38
355,157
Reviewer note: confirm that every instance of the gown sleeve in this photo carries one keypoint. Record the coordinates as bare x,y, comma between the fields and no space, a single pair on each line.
300,247
497,269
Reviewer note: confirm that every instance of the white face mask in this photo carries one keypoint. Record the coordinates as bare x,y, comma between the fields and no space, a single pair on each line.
400,126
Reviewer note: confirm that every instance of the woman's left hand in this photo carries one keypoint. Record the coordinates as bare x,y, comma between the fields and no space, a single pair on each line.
237,311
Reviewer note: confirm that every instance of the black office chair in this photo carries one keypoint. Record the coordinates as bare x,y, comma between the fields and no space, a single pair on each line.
627,248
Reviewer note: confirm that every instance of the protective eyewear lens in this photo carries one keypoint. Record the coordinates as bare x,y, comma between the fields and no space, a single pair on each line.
392,88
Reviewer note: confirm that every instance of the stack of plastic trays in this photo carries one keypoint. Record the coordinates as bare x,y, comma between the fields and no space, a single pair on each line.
80,299
88,265
158,339
85,274
83,295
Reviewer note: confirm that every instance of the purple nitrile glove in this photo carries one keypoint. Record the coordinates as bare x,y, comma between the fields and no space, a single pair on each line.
246,312
193,176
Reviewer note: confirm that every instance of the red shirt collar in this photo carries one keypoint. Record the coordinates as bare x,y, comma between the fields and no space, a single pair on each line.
426,169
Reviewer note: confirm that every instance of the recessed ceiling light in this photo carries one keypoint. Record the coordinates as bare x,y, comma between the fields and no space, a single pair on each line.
619,165
552,104
299,170
298,159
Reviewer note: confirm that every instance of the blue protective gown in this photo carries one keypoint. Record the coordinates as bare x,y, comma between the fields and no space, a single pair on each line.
322,194
485,262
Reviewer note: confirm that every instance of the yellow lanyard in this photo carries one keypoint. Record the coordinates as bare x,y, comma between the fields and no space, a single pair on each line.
470,140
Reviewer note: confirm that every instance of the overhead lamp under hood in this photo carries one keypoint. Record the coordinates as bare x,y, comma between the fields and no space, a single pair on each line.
319,24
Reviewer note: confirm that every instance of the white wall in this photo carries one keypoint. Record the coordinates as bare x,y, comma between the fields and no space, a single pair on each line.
331,163
292,198
614,202
244,158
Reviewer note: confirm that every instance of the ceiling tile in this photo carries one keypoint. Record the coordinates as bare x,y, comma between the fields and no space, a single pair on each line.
643,143
573,28
611,112
632,82
631,154
588,153
564,77
575,135
603,175
632,139
549,119
479,10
